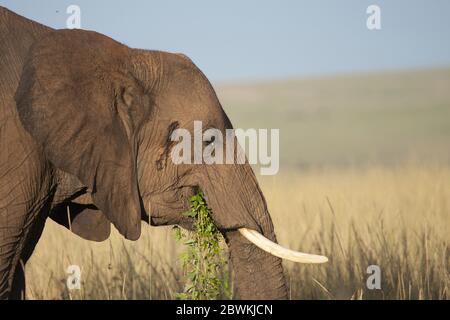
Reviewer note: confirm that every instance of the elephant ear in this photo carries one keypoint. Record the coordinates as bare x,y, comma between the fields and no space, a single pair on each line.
71,101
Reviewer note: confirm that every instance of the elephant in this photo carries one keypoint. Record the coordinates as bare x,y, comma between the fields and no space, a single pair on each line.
85,127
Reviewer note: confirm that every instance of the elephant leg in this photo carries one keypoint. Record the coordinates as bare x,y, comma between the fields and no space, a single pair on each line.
18,238
18,283
26,190
17,242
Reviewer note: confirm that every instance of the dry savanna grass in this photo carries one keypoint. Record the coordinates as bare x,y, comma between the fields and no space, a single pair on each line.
364,179
395,218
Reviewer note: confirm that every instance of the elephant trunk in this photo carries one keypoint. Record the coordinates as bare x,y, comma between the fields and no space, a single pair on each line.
237,202
257,274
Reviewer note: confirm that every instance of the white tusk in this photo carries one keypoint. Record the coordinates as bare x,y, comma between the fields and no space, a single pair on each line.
275,249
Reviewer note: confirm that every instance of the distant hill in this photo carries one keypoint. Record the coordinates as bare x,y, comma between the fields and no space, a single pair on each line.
385,118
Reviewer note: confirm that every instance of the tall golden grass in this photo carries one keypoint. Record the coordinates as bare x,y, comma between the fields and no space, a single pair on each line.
396,218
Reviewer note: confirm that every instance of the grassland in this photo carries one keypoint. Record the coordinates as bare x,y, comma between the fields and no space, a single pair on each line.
386,118
364,179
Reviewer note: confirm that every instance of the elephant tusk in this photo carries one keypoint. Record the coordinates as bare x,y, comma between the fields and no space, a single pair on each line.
275,249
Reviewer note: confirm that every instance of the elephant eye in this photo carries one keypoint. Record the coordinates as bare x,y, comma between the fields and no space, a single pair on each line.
210,141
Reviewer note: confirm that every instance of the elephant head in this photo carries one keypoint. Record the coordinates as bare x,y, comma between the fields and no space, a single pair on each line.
105,114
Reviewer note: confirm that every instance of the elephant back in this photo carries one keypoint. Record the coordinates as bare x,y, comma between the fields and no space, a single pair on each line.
17,34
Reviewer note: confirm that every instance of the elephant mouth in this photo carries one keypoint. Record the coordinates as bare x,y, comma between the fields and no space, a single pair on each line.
166,208
271,247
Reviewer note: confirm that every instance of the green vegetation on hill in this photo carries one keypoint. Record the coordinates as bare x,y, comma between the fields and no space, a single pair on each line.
386,118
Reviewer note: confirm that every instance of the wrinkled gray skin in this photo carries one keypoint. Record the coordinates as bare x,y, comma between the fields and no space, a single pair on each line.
84,124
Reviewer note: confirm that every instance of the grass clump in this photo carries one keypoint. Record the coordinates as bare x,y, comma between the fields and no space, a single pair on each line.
203,262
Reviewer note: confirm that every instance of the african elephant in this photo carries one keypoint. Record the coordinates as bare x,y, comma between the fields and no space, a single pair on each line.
85,123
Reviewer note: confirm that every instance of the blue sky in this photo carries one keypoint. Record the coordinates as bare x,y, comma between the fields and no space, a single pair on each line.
244,40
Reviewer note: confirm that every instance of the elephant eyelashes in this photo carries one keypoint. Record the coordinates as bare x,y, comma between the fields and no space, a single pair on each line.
210,141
